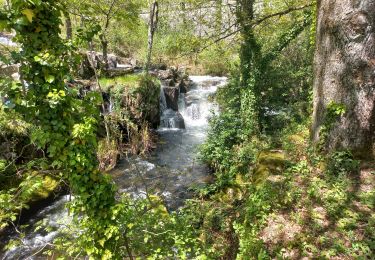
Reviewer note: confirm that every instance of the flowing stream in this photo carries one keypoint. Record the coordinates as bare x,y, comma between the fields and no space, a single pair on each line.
171,172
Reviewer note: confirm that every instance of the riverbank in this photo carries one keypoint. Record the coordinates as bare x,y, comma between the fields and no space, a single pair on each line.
170,172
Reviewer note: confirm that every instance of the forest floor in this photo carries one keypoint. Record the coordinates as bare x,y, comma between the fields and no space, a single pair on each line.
328,209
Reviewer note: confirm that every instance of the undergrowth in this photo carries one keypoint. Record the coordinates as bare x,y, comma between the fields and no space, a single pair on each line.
290,202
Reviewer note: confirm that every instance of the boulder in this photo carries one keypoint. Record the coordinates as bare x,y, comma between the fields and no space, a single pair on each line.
159,66
184,86
165,74
112,61
117,72
127,62
172,119
171,96
168,83
182,70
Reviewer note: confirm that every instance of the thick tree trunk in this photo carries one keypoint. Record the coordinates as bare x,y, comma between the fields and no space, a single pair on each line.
249,57
345,75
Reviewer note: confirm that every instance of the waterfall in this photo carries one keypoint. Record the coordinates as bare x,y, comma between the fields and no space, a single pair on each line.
194,108
163,101
169,119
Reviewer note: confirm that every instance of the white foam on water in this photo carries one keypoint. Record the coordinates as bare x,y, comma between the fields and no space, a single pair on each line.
199,79
145,164
7,41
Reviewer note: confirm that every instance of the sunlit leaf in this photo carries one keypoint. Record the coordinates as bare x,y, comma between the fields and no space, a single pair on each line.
29,14
49,78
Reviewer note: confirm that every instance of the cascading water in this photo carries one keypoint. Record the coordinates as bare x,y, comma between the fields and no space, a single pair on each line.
53,216
176,167
170,172
7,41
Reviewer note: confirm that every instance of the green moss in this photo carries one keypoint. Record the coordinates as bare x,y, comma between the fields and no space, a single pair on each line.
49,185
272,159
130,81
268,162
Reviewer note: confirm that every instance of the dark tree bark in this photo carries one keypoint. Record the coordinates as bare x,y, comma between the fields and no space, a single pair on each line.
345,75
152,26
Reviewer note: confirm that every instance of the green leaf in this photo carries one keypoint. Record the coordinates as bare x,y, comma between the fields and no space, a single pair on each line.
49,78
4,25
29,14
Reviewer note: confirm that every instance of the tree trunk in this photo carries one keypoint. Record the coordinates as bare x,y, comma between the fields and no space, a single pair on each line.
104,43
345,76
69,29
249,57
153,23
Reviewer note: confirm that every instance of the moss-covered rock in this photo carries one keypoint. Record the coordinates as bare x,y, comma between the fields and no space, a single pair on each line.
136,95
48,187
268,163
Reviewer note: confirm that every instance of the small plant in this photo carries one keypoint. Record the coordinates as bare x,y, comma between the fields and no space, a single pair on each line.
108,153
334,111
341,163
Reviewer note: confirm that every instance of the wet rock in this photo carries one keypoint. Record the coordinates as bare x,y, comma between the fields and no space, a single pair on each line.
172,119
169,82
112,61
190,99
171,96
183,86
187,84
211,83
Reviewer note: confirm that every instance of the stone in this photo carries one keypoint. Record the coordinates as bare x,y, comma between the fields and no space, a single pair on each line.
169,83
112,61
117,72
184,86
165,74
127,62
159,66
172,119
171,96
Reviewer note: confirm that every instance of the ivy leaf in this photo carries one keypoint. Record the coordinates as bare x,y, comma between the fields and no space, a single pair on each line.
4,25
29,14
101,242
49,78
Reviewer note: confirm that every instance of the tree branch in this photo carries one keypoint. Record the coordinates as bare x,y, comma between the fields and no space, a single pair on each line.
252,23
